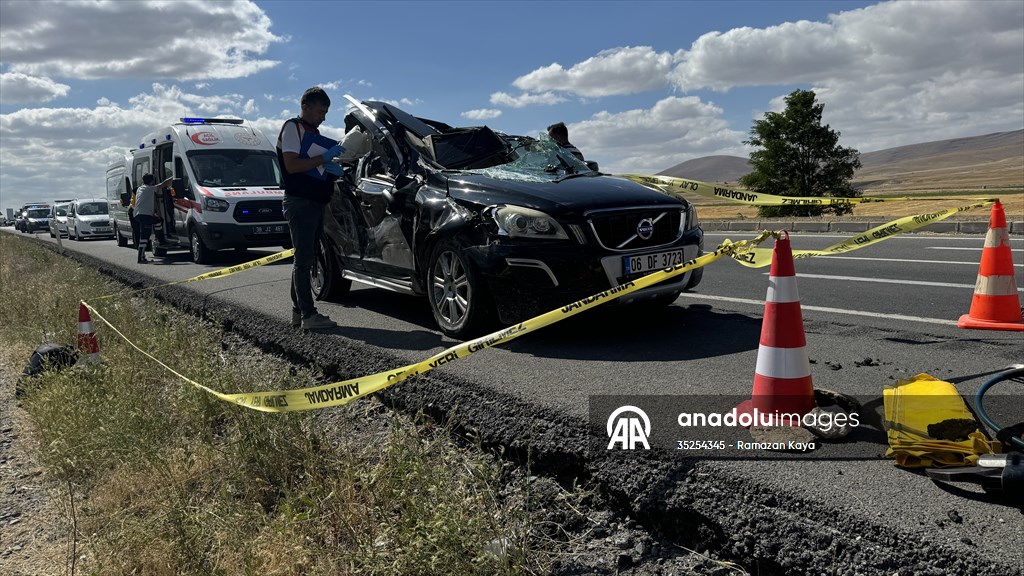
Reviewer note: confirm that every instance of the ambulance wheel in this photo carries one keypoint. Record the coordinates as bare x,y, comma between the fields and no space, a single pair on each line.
200,253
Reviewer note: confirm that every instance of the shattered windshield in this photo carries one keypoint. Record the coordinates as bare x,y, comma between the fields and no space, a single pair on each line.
235,168
537,161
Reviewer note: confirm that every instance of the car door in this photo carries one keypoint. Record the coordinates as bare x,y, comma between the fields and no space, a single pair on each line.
72,219
383,245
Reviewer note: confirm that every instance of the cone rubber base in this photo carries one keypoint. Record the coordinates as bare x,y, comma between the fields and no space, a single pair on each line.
966,321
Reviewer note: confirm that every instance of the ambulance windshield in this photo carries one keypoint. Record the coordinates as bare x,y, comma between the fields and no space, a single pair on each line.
235,168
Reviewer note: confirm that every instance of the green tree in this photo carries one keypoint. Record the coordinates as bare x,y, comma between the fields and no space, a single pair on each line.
798,156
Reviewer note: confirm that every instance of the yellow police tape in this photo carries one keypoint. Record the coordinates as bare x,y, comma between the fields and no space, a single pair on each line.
219,273
759,257
338,393
671,183
746,252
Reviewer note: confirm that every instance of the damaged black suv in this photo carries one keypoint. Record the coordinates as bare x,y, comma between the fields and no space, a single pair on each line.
492,227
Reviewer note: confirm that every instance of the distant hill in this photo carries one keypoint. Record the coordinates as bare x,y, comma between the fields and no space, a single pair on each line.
711,169
973,163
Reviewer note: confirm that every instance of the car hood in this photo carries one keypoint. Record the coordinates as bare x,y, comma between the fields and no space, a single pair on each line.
93,218
571,196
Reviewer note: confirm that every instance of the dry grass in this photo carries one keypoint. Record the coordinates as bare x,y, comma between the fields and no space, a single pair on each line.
942,177
172,481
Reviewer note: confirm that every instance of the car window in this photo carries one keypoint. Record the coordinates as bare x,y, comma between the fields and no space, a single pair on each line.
62,210
92,208
232,168
38,213
536,161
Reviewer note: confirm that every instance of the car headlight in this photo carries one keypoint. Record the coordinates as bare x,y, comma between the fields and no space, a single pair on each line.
519,222
215,204
691,217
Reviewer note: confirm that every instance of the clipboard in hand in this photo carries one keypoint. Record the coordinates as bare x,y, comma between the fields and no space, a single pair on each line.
312,145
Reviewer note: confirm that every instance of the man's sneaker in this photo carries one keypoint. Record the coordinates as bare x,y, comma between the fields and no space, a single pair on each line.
318,322
296,319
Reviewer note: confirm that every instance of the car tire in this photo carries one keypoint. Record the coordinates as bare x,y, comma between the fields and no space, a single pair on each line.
200,253
325,276
457,294
122,241
70,235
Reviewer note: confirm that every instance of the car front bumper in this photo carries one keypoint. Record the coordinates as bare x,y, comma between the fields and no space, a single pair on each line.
530,278
218,236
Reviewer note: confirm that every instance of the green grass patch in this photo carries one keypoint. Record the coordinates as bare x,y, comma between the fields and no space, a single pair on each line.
170,480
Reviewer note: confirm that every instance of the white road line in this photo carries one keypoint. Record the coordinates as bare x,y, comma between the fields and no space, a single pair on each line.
931,238
953,248
888,281
941,321
905,260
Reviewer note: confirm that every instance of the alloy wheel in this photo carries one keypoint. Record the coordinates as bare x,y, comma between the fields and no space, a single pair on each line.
452,290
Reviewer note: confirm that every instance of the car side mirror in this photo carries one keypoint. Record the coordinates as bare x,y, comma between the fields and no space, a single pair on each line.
592,165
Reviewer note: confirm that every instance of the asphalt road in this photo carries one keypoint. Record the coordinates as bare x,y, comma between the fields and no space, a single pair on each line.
871,316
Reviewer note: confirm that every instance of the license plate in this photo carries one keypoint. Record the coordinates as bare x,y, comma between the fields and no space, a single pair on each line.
277,229
101,229
644,263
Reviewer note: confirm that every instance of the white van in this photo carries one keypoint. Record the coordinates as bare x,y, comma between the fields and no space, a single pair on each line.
227,189
119,194
88,218
59,218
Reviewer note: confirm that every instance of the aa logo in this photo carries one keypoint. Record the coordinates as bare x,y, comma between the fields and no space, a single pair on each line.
628,431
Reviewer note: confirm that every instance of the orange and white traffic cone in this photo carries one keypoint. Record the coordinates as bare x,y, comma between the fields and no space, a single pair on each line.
783,389
88,343
996,304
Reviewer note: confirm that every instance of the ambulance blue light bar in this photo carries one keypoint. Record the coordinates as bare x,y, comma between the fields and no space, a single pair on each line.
211,121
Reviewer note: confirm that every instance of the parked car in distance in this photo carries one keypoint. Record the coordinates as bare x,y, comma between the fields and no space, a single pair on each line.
493,227
89,218
35,219
59,219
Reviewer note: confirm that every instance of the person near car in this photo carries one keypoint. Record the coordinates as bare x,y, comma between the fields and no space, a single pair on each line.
145,205
160,239
560,134
305,196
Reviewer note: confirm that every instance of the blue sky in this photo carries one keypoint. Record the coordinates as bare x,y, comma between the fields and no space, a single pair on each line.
642,85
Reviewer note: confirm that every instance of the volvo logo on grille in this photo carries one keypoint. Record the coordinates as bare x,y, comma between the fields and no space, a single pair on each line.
645,229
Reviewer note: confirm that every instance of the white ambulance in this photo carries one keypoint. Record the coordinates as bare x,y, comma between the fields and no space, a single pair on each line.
227,188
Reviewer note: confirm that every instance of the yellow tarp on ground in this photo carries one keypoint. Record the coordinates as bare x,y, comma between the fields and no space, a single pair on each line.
920,413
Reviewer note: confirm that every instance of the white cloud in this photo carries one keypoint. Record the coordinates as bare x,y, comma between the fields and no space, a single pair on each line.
674,130
74,145
627,70
523,100
933,70
185,39
482,114
16,87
